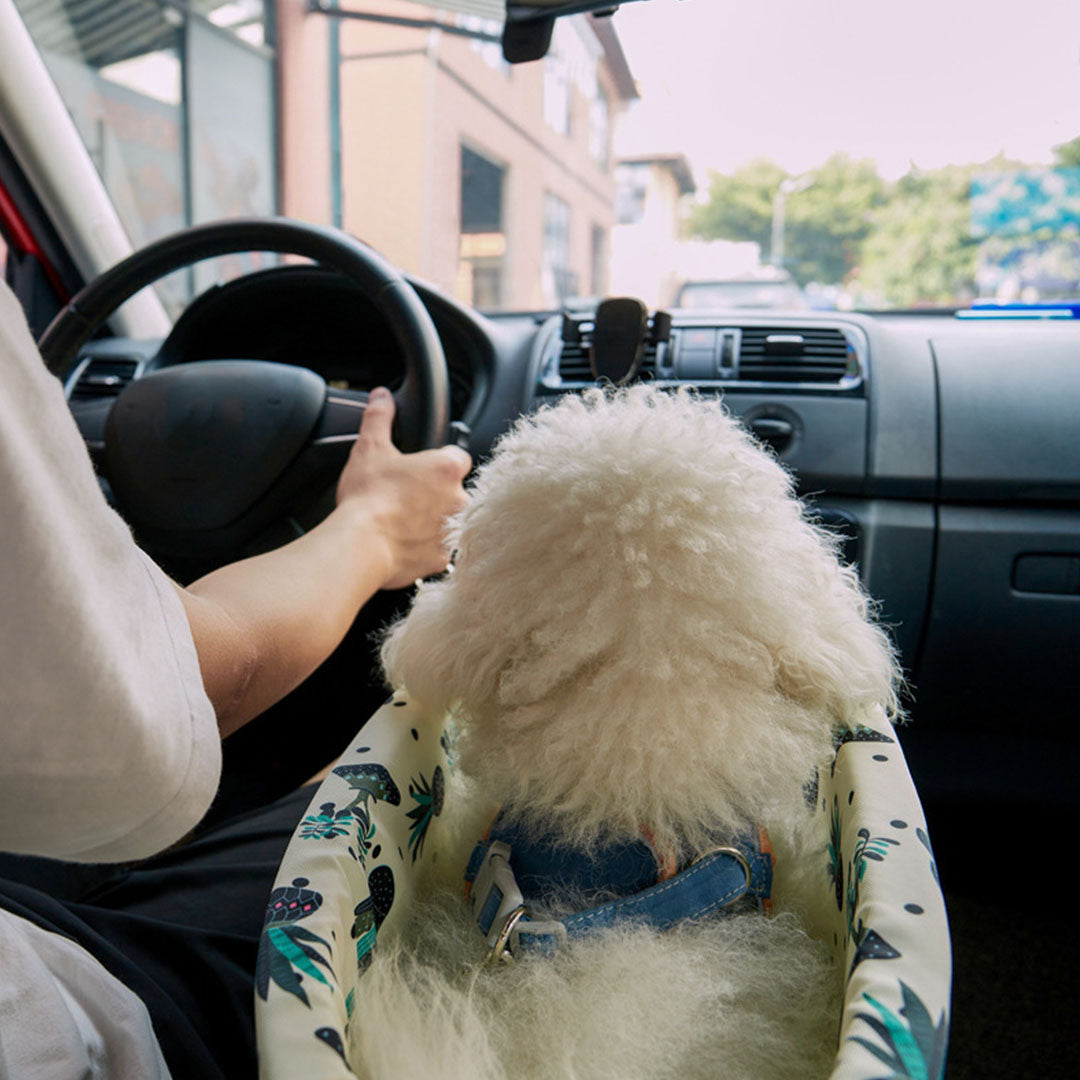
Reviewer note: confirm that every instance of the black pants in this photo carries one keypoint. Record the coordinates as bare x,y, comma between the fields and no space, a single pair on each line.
181,930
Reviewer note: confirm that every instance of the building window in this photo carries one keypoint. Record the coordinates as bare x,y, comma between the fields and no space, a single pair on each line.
570,65
631,184
600,130
486,283
557,93
482,244
481,193
599,261
489,51
559,281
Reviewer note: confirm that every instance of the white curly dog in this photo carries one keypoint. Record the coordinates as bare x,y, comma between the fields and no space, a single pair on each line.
644,635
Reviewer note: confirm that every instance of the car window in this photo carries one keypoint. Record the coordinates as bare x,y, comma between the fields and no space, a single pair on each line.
176,108
926,164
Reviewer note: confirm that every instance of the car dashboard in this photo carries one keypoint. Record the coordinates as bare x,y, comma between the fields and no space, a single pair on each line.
943,451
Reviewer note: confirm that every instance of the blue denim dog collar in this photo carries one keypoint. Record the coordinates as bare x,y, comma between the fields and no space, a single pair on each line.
716,880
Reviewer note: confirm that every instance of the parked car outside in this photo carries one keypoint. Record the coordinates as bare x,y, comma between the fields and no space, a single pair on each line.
762,291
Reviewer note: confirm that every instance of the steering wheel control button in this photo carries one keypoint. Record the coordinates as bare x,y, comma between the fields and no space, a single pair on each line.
459,434
342,413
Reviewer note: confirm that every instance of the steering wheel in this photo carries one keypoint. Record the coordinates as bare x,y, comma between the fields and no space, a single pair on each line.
203,457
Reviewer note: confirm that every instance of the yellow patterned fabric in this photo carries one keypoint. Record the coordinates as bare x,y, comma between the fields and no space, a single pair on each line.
890,931
348,876
350,873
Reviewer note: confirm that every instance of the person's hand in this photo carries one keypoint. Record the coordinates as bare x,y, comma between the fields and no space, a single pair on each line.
403,499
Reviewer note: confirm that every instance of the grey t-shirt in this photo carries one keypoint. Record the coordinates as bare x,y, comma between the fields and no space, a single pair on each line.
109,748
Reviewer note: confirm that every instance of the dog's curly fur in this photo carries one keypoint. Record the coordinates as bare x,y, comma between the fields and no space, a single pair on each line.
743,998
644,632
644,629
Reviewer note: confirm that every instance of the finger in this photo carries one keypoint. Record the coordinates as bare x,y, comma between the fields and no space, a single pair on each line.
379,415
461,458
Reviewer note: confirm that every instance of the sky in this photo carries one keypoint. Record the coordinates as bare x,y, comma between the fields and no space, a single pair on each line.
927,82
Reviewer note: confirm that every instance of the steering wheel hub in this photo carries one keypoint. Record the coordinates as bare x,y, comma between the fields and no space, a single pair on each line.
168,434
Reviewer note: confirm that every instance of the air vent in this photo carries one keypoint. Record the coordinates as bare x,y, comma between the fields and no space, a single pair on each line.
102,378
796,354
574,364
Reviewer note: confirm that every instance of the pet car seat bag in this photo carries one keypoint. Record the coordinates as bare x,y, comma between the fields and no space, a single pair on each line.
877,881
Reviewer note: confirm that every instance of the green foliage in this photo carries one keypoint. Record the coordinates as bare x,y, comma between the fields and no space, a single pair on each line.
740,205
826,221
902,244
920,251
1068,154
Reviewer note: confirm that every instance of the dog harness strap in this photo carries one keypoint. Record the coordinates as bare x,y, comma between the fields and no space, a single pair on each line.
714,881
494,894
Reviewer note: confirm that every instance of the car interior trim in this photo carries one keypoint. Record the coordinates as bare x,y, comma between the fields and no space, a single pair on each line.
66,182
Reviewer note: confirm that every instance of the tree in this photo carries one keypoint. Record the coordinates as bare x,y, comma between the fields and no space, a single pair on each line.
826,221
920,251
1068,154
740,204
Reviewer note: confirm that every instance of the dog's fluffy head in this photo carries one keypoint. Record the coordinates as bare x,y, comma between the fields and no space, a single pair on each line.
643,630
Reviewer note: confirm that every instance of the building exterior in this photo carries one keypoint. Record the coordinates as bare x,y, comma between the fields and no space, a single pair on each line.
390,118
492,181
647,242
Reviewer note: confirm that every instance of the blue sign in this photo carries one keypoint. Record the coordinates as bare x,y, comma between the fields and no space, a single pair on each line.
1024,202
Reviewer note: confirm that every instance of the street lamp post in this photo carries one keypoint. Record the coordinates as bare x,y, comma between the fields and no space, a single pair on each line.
788,186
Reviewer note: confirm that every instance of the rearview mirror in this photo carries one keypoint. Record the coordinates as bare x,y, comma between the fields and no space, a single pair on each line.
529,24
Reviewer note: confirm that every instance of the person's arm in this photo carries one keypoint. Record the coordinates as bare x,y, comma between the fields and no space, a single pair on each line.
262,625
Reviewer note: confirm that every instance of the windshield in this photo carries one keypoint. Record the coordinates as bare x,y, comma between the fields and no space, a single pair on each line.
865,160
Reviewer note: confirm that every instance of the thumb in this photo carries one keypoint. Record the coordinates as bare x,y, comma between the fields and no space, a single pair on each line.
379,415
